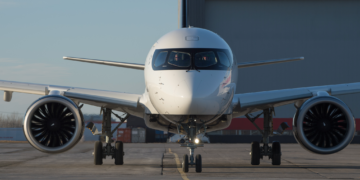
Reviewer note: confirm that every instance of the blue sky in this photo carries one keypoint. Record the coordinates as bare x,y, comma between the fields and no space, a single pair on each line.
35,35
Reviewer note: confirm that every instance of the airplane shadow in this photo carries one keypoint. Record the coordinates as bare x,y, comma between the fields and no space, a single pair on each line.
268,166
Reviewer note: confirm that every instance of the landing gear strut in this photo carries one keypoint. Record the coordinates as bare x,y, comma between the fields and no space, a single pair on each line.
100,152
257,151
191,128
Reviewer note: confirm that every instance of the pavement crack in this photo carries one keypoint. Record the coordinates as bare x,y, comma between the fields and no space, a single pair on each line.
20,150
162,162
34,158
22,162
306,168
86,150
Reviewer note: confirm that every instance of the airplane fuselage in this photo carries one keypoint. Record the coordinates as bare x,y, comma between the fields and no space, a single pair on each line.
190,72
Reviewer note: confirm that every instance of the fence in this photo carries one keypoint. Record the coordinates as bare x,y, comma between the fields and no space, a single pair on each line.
11,120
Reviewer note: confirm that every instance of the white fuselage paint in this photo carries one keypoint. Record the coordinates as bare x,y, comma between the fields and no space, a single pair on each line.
181,92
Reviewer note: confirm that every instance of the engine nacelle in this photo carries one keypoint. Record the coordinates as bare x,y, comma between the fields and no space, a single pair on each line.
53,124
324,125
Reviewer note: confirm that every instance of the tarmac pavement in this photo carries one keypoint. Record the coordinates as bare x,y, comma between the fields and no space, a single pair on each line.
162,161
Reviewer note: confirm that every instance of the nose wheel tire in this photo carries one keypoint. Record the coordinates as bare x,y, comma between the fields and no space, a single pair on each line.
185,163
198,163
98,155
255,153
276,153
119,153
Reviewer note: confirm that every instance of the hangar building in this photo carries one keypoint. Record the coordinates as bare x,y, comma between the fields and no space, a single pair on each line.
326,33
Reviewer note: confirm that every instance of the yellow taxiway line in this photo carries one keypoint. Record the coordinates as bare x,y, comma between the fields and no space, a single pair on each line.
178,164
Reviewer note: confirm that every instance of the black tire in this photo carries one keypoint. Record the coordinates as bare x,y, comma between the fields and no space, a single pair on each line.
185,163
119,153
198,163
276,153
182,141
98,155
255,153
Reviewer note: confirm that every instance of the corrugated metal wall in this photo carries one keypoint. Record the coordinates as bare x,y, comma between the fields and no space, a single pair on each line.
326,33
138,135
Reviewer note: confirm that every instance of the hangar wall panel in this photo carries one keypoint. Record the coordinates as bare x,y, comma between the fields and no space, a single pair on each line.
12,134
326,33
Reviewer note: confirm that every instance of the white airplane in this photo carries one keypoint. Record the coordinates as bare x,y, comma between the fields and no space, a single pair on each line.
190,75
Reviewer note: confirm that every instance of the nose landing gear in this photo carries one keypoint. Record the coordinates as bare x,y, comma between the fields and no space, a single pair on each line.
191,128
193,160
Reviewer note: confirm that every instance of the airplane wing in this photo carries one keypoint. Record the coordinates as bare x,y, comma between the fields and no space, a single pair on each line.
108,63
252,102
267,62
124,102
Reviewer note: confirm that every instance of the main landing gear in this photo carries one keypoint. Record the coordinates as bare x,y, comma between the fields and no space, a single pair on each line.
100,152
116,152
191,128
274,151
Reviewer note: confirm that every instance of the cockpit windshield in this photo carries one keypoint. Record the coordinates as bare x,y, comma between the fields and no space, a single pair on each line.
195,58
179,59
205,59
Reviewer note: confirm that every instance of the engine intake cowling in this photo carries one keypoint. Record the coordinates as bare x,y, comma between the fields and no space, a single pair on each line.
53,124
324,125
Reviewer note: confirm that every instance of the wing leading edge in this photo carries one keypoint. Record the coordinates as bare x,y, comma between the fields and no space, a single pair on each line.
267,62
109,63
251,102
125,102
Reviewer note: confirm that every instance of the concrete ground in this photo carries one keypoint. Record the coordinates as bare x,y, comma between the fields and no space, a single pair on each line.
162,161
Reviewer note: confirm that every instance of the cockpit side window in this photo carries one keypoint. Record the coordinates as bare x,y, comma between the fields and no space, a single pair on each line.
179,59
160,58
224,60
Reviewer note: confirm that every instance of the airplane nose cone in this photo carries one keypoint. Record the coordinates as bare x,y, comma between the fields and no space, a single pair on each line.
193,93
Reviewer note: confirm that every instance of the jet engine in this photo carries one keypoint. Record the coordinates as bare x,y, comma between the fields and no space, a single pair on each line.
324,125
53,124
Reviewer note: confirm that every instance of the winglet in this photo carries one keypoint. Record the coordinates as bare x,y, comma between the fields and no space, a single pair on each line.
266,62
